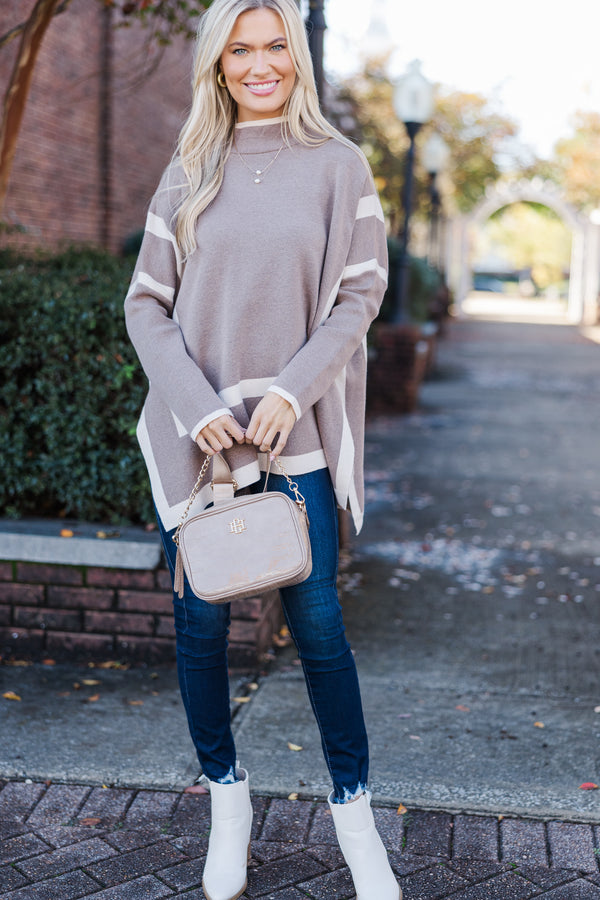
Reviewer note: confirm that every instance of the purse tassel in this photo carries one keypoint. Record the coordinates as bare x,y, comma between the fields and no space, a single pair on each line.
178,579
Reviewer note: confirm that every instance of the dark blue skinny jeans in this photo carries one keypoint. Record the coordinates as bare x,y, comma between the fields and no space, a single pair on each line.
314,618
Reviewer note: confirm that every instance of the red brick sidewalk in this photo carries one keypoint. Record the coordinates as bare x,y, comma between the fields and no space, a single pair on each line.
61,842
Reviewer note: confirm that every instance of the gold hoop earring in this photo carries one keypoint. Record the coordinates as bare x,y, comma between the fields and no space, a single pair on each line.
221,80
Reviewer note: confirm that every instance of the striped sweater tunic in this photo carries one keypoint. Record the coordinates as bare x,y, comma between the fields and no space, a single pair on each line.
279,294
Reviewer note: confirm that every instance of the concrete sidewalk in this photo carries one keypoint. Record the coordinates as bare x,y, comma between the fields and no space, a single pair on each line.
472,597
471,603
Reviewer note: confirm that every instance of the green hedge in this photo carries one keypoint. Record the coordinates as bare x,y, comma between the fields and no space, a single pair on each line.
72,390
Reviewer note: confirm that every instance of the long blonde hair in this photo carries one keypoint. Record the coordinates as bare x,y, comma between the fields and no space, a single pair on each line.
207,135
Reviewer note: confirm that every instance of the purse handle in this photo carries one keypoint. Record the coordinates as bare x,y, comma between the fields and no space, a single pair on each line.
224,486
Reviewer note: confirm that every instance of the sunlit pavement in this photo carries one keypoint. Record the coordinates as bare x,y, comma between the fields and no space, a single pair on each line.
490,306
471,601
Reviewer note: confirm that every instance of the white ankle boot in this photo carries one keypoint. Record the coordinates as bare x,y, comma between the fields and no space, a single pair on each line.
363,850
225,871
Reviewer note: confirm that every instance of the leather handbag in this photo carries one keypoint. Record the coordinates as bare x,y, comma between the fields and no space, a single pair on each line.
245,545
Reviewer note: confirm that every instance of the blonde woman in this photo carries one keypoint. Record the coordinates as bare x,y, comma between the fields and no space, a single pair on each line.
263,264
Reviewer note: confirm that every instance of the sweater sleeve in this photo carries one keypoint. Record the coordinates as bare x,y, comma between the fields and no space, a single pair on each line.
152,326
347,312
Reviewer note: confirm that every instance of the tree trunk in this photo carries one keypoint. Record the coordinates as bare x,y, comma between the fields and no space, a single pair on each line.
19,85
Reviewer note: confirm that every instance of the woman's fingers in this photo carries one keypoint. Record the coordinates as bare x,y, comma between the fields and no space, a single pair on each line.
220,434
273,416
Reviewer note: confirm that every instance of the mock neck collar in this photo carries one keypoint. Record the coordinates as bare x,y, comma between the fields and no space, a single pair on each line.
256,123
260,136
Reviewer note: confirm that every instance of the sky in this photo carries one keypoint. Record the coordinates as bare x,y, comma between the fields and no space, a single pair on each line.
538,61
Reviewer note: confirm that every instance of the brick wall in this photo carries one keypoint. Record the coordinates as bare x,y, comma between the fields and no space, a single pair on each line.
84,170
86,612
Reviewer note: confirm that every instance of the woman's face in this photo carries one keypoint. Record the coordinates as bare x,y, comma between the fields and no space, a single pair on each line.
257,65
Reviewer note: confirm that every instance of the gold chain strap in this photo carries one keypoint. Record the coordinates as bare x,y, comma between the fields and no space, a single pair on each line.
301,502
293,486
192,497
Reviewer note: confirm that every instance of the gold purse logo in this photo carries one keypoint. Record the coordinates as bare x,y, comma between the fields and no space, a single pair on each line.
237,526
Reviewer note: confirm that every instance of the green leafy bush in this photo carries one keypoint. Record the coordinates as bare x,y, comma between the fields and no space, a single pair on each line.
72,390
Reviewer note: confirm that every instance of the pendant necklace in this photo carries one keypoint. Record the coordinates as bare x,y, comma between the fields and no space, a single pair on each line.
258,173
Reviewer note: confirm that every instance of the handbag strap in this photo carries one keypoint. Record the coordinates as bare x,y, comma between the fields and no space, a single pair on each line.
224,486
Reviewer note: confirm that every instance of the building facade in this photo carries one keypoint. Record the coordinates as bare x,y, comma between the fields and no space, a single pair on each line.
100,124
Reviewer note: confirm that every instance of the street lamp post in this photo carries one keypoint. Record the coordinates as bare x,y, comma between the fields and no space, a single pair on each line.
315,27
413,103
435,156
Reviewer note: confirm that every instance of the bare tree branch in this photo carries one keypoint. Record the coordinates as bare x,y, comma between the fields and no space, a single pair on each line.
7,37
18,87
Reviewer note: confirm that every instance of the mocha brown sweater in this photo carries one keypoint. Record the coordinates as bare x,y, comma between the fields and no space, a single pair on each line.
279,294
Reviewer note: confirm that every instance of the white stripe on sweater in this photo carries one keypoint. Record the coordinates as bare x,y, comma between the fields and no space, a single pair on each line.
370,265
369,206
357,513
158,227
169,515
345,467
163,289
249,387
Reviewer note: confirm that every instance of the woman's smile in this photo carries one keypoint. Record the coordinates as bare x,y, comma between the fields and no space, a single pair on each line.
262,87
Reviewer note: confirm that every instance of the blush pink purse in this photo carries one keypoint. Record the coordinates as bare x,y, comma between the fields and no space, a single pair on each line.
242,546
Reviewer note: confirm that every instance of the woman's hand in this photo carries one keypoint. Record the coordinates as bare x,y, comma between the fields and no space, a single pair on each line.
220,434
273,416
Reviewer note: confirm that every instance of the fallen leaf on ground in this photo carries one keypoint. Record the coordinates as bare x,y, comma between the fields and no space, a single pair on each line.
93,698
588,786
241,699
10,695
48,662
401,810
91,681
66,532
196,789
538,725
293,796
136,702
281,641
463,708
295,747
90,822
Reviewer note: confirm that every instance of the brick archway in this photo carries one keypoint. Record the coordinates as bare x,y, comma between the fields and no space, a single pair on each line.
584,280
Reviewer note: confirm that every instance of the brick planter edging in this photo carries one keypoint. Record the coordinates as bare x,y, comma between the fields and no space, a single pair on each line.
97,612
401,356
